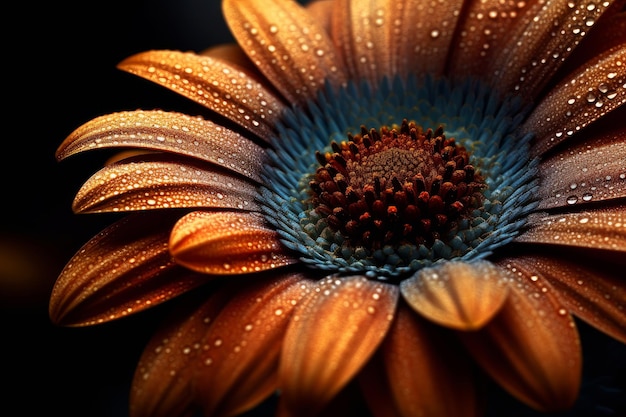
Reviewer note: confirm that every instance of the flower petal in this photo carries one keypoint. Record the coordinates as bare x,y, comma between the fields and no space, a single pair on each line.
608,32
215,84
583,97
591,290
598,228
321,10
535,51
460,295
227,243
158,182
238,367
381,38
531,348
232,54
171,132
417,371
586,172
123,270
286,43
162,384
331,336
483,29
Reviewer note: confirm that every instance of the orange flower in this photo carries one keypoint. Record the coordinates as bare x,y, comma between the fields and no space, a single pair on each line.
379,196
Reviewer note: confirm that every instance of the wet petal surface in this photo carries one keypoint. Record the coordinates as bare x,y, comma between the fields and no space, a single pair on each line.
227,243
460,295
331,336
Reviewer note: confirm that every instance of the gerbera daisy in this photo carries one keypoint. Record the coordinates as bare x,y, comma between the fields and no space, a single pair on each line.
389,200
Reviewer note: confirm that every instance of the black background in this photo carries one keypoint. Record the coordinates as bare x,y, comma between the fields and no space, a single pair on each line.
59,70
59,62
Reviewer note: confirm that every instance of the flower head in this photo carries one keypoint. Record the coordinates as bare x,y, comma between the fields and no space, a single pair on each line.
377,197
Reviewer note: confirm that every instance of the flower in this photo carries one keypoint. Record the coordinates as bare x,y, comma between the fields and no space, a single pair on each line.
377,197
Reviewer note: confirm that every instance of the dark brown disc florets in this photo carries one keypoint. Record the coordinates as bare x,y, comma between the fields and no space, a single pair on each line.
395,186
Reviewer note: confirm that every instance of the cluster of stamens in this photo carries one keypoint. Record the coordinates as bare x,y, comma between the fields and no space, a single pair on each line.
395,186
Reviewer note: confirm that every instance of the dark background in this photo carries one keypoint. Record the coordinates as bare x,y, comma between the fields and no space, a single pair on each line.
59,71
59,63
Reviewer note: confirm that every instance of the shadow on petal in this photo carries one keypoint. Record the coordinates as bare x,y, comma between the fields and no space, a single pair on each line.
460,295
531,348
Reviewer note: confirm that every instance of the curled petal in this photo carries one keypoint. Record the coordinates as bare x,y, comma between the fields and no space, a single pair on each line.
531,348
594,90
170,132
227,243
157,182
603,228
591,291
460,295
417,371
380,38
586,172
215,84
238,366
332,335
535,51
123,270
275,31
162,385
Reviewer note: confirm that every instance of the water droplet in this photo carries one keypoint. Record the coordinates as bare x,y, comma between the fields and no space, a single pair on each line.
587,197
434,34
572,199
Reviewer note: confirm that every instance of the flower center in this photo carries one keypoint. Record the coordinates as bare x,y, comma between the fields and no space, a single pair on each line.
395,186
389,201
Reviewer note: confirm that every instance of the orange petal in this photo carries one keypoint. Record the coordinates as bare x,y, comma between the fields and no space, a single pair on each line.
483,29
460,295
417,371
331,336
321,10
287,45
381,38
608,32
591,291
233,55
603,228
123,270
162,385
238,365
594,90
215,84
162,182
585,172
531,348
171,132
227,243
534,51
